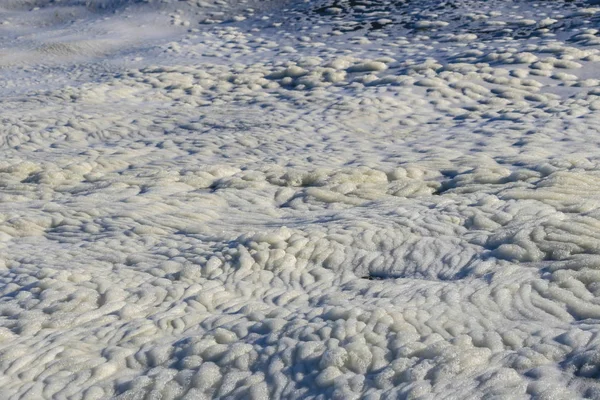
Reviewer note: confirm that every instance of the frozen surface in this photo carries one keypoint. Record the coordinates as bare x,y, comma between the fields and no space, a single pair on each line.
285,199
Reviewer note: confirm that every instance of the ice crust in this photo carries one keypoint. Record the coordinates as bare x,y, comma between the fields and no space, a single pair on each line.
289,200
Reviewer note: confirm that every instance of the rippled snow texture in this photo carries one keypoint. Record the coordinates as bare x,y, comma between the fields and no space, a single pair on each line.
286,200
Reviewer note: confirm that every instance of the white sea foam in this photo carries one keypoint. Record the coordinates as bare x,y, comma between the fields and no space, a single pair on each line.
378,200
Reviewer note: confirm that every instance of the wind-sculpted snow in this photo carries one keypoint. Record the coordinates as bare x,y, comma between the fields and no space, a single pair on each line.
265,200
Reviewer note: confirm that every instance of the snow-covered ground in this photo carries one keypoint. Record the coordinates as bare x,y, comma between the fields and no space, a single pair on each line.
325,199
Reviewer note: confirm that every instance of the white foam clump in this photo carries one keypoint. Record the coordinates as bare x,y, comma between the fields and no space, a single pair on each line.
387,211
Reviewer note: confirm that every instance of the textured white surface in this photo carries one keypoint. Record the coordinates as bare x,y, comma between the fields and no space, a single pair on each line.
291,200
